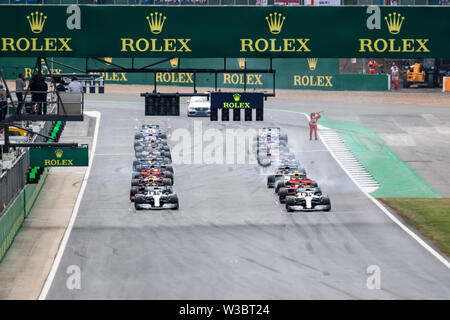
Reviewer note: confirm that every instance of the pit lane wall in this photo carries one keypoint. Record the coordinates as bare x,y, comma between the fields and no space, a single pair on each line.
298,74
12,220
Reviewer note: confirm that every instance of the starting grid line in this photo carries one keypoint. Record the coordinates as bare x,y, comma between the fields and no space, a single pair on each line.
358,172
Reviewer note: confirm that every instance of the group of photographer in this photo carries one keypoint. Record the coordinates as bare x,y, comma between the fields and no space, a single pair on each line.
38,90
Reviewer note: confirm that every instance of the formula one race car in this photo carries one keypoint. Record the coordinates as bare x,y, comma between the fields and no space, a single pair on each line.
270,153
147,146
271,134
150,131
156,198
152,153
298,178
152,172
284,174
289,188
153,166
142,189
308,199
149,160
146,165
151,181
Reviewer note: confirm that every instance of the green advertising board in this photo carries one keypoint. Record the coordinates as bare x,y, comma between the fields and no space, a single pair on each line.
299,74
59,157
230,31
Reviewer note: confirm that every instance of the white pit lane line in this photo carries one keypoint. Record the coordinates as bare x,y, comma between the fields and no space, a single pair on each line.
63,244
436,254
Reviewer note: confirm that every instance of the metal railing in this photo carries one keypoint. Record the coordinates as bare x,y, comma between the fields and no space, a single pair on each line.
13,180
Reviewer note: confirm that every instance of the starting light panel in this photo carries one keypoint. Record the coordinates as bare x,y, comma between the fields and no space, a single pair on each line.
237,101
162,104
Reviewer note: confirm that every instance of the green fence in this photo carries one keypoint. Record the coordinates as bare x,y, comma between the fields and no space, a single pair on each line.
12,220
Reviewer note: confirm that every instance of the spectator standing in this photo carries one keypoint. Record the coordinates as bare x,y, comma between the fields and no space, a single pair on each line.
43,88
75,86
39,97
34,88
395,74
61,87
20,89
372,65
3,103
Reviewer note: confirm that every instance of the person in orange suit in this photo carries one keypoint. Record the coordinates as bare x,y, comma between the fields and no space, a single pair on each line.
313,124
372,65
395,73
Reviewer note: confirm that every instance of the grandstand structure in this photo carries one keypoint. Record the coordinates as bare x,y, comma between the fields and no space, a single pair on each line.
224,2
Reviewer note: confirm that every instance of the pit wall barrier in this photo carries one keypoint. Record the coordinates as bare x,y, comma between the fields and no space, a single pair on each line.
308,74
14,217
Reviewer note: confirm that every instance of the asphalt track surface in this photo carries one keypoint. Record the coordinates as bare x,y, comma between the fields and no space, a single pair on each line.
230,239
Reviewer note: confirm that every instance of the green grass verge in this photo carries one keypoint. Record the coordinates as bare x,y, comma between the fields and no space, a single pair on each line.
431,217
396,178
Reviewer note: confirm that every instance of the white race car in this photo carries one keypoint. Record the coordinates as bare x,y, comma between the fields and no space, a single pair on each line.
308,199
156,198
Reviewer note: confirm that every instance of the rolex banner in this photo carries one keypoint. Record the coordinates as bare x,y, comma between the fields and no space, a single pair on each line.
309,73
59,157
261,31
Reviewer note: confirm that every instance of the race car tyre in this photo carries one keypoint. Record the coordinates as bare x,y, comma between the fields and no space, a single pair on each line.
326,201
163,136
136,175
138,148
134,182
138,155
138,200
166,148
282,194
136,163
290,201
167,182
314,184
173,199
279,184
169,168
168,175
167,154
133,192
137,136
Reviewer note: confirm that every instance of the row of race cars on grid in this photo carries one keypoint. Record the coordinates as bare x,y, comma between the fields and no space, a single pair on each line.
290,181
152,178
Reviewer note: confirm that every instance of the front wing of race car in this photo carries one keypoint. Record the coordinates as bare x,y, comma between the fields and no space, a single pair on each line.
302,204
150,206
155,203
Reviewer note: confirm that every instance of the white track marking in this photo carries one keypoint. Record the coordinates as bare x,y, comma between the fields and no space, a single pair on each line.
436,254
335,143
63,244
